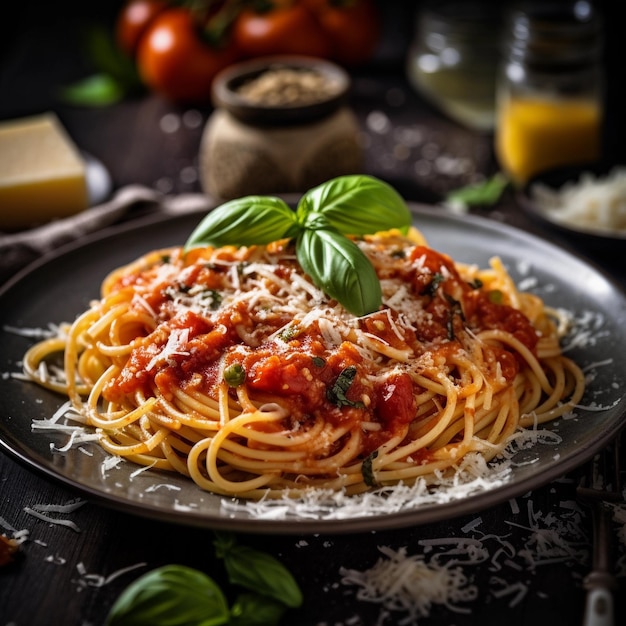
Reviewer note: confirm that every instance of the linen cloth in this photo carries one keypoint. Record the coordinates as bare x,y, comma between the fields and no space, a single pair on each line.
18,250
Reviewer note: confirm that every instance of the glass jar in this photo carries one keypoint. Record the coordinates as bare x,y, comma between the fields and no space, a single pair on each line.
453,59
550,92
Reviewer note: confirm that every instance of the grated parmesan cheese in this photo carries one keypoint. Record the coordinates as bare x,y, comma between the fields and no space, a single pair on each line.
41,511
99,580
174,346
402,582
594,202
473,475
443,573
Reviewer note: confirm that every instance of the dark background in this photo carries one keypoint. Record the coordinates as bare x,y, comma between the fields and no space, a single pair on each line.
41,50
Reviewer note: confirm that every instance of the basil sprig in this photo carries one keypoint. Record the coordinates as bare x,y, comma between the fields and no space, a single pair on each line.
346,205
176,595
257,571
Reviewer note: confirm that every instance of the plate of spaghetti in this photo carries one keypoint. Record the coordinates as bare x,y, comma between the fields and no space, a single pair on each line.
222,385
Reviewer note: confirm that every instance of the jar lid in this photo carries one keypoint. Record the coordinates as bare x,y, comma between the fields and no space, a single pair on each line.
281,90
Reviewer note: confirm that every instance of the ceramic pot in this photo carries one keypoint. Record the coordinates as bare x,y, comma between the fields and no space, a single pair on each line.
277,144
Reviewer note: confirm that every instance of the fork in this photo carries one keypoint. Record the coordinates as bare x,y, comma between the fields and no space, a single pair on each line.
600,486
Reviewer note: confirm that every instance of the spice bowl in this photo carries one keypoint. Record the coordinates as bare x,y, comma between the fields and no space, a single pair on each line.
281,89
281,124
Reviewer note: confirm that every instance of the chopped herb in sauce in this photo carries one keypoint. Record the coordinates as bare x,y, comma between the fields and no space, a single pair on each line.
318,361
433,285
495,296
337,393
215,298
455,309
368,471
289,333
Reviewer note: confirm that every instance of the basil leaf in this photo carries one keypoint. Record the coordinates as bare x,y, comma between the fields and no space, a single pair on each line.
173,595
261,573
357,205
252,220
480,194
114,74
339,268
95,90
252,609
223,542
101,49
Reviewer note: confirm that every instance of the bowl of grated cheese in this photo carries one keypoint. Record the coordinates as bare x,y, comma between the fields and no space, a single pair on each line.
587,202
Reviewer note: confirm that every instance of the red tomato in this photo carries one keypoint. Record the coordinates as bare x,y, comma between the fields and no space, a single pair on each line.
173,60
396,402
282,30
352,26
133,20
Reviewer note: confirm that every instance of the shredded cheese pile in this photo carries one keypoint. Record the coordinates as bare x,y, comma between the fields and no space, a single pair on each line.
592,201
443,571
406,583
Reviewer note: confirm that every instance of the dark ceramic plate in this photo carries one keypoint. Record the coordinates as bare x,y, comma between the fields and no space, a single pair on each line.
58,288
597,238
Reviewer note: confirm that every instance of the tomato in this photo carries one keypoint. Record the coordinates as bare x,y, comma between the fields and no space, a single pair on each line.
284,29
133,20
352,26
173,60
396,402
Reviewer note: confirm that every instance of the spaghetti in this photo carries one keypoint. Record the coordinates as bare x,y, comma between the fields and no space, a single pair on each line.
229,366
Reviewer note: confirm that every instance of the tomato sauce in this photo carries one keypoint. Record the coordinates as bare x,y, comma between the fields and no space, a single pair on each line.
200,332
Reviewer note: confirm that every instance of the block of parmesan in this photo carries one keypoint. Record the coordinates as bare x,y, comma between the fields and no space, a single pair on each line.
42,173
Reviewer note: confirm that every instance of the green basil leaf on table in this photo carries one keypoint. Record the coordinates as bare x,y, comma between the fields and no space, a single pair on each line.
114,74
173,595
357,205
338,267
257,571
252,609
247,221
95,90
486,193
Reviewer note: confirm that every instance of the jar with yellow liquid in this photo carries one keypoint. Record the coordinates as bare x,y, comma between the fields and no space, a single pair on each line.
550,93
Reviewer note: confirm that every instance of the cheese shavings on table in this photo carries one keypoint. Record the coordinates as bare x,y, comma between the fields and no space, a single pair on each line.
406,583
593,202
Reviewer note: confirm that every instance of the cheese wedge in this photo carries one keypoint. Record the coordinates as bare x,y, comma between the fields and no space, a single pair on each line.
42,173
